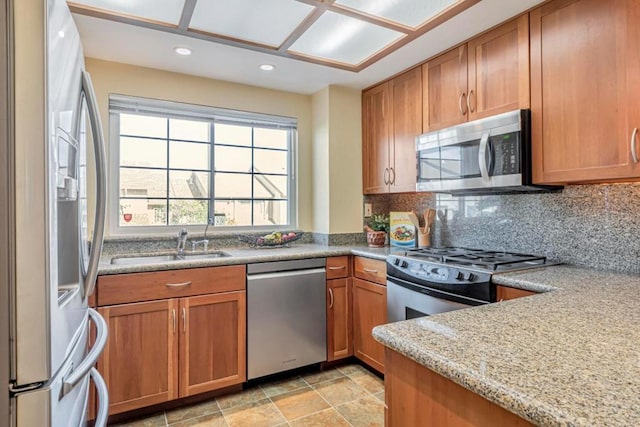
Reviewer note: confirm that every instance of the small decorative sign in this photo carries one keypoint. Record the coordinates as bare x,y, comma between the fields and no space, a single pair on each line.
127,217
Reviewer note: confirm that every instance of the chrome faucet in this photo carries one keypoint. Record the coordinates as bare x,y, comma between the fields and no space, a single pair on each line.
204,241
182,241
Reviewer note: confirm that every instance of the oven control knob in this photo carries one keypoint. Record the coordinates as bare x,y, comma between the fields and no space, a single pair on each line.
470,277
459,276
396,261
405,264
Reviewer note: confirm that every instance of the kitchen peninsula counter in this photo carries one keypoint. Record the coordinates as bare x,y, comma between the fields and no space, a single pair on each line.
566,357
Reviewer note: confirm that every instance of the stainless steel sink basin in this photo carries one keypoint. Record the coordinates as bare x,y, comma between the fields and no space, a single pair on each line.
155,259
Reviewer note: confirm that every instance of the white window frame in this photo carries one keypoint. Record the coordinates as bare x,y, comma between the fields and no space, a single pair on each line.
160,108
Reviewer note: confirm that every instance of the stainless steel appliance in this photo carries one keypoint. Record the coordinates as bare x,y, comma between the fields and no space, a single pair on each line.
286,316
55,127
486,156
429,281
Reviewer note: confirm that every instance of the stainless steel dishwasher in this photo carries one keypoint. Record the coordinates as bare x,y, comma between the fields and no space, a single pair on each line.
286,316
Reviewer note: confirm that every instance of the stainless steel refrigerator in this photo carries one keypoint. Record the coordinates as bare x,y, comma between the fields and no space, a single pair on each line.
54,141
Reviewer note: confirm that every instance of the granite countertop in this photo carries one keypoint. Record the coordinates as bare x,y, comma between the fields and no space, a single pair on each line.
246,255
566,357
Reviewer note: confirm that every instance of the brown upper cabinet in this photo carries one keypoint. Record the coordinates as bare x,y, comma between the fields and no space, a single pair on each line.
585,86
391,120
488,75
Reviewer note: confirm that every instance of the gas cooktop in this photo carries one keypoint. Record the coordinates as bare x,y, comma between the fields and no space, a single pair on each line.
480,259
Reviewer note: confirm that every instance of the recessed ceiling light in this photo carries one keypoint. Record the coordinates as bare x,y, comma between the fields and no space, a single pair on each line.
267,67
184,51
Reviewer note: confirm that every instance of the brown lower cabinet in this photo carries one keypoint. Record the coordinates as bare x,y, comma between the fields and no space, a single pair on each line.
369,311
419,397
339,319
162,350
504,293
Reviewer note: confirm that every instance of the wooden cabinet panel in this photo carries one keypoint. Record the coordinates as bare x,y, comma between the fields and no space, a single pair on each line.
135,287
585,84
339,319
504,293
369,269
444,82
369,310
212,342
338,267
406,124
375,139
140,360
418,397
499,70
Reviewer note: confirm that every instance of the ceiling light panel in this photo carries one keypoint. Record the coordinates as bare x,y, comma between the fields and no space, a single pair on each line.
410,13
167,11
343,39
268,22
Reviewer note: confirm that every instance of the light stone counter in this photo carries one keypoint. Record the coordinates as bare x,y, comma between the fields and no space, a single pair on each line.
566,357
247,256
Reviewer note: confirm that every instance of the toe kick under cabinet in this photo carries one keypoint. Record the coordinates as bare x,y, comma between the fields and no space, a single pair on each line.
172,334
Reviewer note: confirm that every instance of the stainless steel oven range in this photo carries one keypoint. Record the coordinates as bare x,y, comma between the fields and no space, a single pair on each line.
429,281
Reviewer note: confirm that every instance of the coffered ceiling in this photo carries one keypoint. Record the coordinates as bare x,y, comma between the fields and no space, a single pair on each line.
345,34
311,43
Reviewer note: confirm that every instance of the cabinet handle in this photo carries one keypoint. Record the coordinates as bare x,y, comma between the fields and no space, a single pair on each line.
184,319
177,285
461,105
330,298
471,110
634,154
392,180
368,270
386,173
337,268
173,313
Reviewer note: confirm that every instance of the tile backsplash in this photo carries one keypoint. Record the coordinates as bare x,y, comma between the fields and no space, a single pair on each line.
595,226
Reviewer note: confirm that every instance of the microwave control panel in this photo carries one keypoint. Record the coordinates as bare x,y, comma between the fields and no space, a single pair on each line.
506,154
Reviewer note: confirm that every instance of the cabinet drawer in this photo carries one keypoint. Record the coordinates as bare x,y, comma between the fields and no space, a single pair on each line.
337,267
135,287
372,270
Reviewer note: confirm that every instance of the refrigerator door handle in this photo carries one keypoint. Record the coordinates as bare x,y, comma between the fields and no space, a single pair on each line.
101,184
103,398
92,356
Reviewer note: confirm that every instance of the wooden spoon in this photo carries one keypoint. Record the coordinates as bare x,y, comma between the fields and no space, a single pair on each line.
414,220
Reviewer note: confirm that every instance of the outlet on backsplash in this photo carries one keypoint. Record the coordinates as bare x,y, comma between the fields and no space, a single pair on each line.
368,210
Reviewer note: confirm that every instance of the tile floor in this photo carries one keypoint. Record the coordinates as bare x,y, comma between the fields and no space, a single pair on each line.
345,396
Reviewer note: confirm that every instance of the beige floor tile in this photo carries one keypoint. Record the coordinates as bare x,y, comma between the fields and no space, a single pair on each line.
284,386
318,377
246,396
262,413
367,412
210,420
192,411
299,403
368,381
152,421
380,396
326,418
353,369
340,390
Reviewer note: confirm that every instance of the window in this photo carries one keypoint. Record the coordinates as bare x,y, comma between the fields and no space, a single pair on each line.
176,165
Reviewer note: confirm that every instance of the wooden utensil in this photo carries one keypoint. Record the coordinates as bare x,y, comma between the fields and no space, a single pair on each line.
414,219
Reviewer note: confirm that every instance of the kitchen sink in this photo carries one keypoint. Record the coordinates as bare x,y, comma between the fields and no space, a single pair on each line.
154,259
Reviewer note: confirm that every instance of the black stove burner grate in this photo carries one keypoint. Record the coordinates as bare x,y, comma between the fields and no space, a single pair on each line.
478,258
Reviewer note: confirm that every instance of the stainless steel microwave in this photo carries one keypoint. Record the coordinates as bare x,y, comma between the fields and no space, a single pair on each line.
486,156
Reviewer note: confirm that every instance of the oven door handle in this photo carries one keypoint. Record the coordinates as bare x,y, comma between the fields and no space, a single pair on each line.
482,158
436,293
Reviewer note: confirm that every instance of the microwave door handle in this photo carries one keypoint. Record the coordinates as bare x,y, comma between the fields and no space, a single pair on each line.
482,157
101,184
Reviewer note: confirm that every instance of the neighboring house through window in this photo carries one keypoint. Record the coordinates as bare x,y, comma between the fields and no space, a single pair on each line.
177,164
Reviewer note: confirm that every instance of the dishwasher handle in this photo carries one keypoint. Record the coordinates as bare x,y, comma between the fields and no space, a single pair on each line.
293,273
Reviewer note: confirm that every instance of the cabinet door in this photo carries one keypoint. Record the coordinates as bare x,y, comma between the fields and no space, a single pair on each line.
444,82
406,124
339,313
499,70
369,310
375,139
140,360
505,293
585,86
212,342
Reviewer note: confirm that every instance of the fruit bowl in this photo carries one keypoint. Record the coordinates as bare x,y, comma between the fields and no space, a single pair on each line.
272,240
